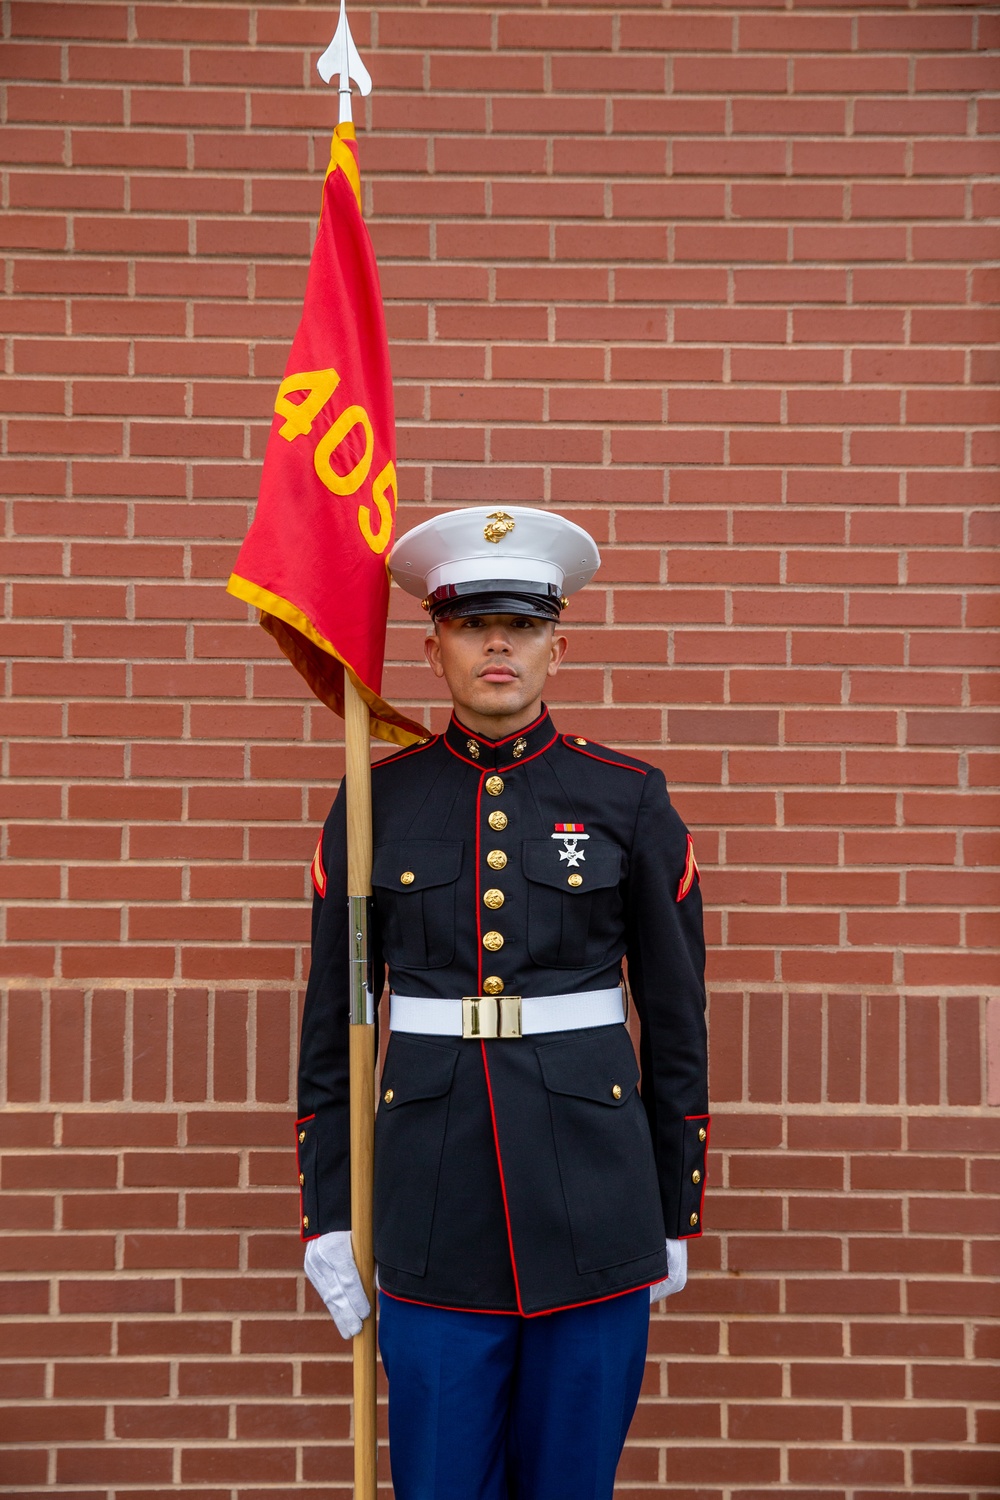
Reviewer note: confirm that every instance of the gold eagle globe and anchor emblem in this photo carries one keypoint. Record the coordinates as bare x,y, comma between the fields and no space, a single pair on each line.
498,524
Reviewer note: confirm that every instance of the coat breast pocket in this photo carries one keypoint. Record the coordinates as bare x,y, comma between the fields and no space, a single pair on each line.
603,1149
414,884
409,1141
574,905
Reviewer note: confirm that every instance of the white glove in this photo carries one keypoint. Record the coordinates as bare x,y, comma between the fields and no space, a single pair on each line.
331,1269
677,1272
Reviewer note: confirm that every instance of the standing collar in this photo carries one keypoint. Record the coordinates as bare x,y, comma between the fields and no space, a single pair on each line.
505,754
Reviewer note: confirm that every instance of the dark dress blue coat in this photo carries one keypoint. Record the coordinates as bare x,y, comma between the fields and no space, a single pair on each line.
516,1175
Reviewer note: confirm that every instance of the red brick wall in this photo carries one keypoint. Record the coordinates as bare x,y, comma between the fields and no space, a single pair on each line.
715,280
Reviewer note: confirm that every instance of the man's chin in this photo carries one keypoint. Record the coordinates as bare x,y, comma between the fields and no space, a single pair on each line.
498,700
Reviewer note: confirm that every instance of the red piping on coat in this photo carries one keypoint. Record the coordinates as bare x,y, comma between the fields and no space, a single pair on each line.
568,742
298,1166
533,756
392,760
503,1185
704,1176
486,1312
479,918
514,765
496,1312
481,738
473,763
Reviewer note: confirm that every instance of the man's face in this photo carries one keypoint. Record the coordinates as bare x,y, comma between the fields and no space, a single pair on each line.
495,667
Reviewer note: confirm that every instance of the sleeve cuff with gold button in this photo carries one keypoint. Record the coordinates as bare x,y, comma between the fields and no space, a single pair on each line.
696,1132
305,1154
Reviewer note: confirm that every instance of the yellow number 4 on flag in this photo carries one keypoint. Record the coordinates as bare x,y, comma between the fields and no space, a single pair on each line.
299,416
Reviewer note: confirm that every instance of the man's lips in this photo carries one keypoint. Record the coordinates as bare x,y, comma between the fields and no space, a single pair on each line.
497,672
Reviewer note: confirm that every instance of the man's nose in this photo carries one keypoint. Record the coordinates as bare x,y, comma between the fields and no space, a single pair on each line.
497,639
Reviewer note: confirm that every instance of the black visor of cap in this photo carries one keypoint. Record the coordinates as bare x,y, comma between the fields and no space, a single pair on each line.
508,596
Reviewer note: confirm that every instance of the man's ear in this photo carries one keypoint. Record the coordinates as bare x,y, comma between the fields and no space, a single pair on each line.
559,644
432,651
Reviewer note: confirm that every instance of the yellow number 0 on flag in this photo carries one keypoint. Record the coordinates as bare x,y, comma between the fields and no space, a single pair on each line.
299,416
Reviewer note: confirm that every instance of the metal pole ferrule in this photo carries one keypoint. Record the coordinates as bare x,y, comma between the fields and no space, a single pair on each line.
362,1000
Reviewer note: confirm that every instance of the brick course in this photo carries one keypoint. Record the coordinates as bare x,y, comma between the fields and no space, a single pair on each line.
719,281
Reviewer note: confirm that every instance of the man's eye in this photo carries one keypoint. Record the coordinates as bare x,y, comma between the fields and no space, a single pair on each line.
471,622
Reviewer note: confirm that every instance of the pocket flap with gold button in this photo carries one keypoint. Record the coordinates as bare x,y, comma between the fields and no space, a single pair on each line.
599,865
417,865
415,1069
607,1074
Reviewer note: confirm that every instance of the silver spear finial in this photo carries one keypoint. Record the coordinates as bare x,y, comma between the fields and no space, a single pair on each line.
342,57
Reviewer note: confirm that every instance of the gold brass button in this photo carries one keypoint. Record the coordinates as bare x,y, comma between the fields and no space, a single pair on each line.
305,1221
574,880
387,1097
472,748
696,1177
492,985
496,859
302,1179
493,941
579,741
302,1136
497,821
703,1134
493,899
616,1091
407,877
494,785
693,1220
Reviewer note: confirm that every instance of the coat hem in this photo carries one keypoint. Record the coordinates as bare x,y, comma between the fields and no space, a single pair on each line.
520,1312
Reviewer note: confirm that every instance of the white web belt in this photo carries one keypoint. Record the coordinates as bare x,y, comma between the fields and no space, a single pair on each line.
505,1016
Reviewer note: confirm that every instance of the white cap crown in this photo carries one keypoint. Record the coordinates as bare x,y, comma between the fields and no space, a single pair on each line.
510,552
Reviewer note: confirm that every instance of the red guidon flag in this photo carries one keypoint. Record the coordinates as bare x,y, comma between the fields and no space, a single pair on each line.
314,559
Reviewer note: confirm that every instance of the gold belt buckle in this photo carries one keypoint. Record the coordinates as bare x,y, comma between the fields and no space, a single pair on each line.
491,1017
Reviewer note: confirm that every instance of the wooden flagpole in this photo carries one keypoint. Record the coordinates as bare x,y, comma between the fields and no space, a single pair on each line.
362,1059
341,57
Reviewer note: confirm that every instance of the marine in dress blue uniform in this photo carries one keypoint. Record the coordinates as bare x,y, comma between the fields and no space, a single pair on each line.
526,1185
